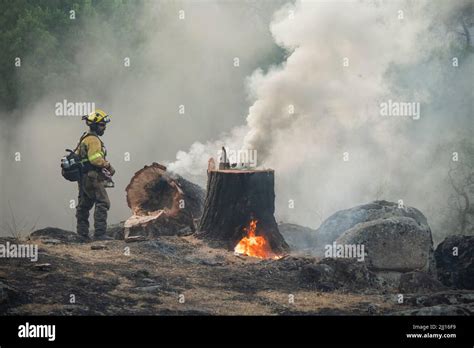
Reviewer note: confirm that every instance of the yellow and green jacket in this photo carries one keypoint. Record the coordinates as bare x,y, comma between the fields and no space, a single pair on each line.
92,149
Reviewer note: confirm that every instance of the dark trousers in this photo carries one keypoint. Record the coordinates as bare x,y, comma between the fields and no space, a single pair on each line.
92,191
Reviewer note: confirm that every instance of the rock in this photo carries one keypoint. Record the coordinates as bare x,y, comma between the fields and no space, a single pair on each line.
53,233
413,282
330,274
98,247
372,308
338,223
398,244
444,310
456,270
51,241
43,267
212,261
132,239
151,288
298,237
141,273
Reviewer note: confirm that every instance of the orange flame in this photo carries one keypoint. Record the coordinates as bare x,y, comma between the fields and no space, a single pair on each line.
255,246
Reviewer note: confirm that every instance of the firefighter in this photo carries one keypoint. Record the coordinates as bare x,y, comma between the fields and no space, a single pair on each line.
96,176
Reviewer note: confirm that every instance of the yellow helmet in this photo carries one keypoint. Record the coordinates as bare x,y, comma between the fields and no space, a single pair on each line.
97,116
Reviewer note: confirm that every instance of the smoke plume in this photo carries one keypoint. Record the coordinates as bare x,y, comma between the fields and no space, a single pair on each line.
316,118
307,94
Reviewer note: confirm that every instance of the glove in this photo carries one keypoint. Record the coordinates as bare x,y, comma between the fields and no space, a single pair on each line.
110,169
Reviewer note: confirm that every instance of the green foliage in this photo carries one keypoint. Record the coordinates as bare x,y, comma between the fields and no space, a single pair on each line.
48,42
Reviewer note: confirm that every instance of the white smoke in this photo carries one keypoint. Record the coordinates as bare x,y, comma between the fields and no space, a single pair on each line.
402,56
186,61
312,112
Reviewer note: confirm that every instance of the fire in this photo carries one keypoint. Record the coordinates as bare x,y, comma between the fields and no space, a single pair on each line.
253,245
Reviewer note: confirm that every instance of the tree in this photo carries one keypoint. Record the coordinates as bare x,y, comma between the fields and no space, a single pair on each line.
42,34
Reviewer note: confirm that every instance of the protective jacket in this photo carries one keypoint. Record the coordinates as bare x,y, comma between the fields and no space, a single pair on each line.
92,151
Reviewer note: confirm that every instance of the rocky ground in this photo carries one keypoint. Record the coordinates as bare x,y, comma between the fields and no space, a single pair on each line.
181,275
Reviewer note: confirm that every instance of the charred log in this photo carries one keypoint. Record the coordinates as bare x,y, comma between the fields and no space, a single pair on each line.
163,203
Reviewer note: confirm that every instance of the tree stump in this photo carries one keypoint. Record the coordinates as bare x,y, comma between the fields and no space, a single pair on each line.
234,199
163,203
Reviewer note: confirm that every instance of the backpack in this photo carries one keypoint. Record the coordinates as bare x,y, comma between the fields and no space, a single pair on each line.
72,166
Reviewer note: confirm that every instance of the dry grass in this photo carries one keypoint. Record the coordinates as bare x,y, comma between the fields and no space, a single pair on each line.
213,281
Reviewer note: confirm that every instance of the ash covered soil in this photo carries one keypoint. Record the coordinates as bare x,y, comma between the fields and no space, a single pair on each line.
173,275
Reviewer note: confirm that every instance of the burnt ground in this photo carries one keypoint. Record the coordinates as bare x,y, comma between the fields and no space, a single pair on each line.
183,276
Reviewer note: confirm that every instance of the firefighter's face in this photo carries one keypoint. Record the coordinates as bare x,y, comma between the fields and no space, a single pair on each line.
101,128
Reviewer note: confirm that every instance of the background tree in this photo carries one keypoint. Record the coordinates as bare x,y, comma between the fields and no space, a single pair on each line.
48,41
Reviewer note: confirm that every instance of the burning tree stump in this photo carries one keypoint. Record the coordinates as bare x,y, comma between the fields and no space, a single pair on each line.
239,203
163,203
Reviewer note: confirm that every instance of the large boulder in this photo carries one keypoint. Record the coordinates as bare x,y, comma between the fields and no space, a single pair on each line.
299,238
395,239
338,223
396,244
455,261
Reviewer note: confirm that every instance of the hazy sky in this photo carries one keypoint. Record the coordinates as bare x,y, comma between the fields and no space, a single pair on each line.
186,62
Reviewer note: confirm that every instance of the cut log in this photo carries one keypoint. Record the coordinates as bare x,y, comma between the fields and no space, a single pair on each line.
162,203
234,198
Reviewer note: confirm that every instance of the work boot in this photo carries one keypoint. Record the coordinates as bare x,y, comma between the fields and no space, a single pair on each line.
103,237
